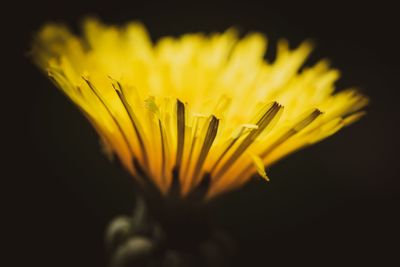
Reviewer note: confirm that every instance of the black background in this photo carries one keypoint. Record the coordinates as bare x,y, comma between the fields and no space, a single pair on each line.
334,203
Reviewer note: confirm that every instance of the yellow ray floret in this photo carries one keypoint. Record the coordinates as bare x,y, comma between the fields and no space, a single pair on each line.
197,105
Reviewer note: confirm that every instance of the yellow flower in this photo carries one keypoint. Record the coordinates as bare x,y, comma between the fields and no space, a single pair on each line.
198,106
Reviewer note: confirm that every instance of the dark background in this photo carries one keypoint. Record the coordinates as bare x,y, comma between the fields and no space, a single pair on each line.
334,203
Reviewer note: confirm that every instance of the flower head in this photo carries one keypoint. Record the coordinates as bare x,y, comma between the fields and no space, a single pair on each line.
198,106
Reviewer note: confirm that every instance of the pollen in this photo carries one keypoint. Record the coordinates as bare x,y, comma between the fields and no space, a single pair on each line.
195,107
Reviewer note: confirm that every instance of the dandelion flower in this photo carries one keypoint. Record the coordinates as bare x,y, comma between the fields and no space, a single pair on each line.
196,108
